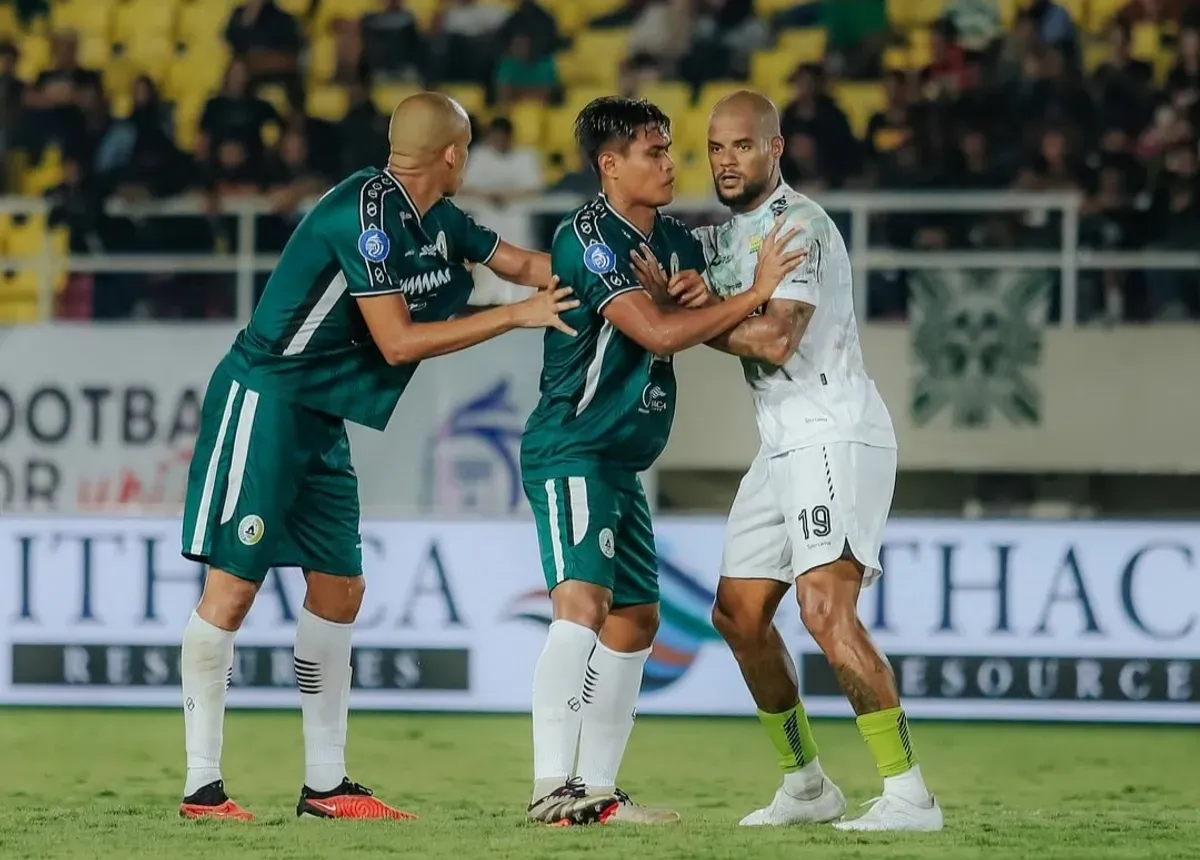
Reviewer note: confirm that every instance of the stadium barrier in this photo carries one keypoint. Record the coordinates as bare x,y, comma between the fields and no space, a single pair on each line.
855,210
999,620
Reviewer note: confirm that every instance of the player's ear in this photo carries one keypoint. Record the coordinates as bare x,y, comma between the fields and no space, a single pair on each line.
777,146
607,162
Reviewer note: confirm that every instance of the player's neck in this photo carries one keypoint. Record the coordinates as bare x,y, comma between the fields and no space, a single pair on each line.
772,189
637,214
421,191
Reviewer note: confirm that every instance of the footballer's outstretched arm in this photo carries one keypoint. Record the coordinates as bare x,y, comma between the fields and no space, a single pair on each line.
636,315
772,336
520,265
403,341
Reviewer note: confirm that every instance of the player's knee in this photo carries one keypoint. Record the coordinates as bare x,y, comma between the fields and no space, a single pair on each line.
582,603
827,614
335,598
226,599
737,623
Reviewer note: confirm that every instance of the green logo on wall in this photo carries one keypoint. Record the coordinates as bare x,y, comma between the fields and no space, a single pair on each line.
977,344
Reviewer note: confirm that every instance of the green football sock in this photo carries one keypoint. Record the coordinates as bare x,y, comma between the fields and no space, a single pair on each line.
792,737
886,734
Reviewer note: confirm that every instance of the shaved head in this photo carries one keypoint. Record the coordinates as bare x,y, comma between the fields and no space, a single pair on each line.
429,134
754,109
744,148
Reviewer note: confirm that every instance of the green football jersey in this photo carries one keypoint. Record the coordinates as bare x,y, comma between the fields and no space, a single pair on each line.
606,404
307,342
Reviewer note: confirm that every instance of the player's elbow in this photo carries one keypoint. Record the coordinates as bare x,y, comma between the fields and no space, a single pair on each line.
401,352
778,350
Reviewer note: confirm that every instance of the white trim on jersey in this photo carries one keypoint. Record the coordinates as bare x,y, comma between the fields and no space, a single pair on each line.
210,475
241,453
299,342
577,496
591,379
555,538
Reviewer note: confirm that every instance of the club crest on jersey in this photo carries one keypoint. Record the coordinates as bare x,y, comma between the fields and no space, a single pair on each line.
374,245
599,258
755,243
674,265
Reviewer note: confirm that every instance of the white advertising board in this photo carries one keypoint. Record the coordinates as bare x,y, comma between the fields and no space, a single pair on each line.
981,620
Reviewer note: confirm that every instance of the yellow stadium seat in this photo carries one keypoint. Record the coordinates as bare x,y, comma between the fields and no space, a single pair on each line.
18,299
770,7
578,97
276,96
673,97
387,96
28,235
596,8
558,131
713,92
1077,9
1146,43
322,59
1008,12
40,178
95,50
471,96
860,101
198,73
528,119
768,68
329,102
424,11
10,27
152,54
1095,53
137,19
35,56
187,121
597,57
690,134
298,8
1101,13
913,13
350,10
571,17
200,21
693,178
898,59
83,16
805,46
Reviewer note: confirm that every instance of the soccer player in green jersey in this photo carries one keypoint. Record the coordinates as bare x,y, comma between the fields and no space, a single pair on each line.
608,397
365,289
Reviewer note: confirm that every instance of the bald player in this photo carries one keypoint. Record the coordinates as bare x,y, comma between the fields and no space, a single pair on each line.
366,287
813,506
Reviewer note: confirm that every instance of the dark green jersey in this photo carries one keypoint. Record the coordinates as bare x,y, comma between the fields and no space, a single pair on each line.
606,404
307,341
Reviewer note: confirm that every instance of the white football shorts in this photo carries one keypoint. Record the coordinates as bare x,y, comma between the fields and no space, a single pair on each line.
799,510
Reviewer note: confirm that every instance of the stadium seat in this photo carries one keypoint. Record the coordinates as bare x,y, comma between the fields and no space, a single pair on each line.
912,13
1077,9
152,54
201,21
860,101
1101,13
596,57
766,8
674,97
768,68
528,119
558,131
276,96
83,16
693,177
328,102
322,60
18,298
95,50
10,27
898,59
713,92
35,56
26,235
387,96
805,46
41,177
299,8
197,73
350,10
572,17
1146,42
471,96
577,98
424,11
136,19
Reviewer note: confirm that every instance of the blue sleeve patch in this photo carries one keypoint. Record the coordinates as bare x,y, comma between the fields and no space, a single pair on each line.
599,258
374,245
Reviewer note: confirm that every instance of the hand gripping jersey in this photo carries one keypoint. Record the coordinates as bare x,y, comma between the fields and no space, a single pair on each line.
823,393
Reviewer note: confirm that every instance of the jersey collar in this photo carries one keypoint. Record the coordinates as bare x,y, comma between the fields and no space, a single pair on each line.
407,199
626,221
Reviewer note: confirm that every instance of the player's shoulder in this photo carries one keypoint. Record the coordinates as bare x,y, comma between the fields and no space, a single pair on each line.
800,210
581,227
676,230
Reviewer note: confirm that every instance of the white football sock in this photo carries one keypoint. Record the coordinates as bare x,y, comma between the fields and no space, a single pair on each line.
206,662
322,662
558,703
610,693
910,785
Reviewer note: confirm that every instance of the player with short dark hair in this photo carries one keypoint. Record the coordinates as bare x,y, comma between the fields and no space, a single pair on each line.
365,289
607,402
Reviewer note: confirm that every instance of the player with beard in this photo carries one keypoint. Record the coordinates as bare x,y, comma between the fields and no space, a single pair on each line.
813,506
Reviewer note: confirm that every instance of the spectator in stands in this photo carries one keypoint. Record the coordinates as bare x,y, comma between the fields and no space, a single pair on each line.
137,158
64,68
530,19
813,112
462,43
948,75
660,31
96,118
1055,28
801,165
500,172
473,19
53,116
362,131
977,22
292,175
1185,73
726,33
1155,11
232,173
1123,85
268,40
892,127
974,168
522,76
858,33
236,115
392,46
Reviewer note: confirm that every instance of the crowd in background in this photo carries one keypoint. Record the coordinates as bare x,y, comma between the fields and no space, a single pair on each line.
994,109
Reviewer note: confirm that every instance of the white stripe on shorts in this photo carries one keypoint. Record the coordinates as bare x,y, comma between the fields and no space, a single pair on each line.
210,476
241,449
577,490
555,537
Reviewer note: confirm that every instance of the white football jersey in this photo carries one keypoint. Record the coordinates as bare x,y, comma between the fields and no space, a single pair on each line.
823,393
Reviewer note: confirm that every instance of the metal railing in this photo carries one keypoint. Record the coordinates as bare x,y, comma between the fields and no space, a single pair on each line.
1069,259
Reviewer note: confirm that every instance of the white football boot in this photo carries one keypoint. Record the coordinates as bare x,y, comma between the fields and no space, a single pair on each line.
827,804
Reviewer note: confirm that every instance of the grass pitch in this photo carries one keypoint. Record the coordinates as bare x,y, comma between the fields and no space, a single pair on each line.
105,784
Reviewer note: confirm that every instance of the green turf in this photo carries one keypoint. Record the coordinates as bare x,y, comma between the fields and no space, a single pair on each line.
105,784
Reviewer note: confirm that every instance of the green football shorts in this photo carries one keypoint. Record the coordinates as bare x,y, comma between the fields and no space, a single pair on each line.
592,530
270,485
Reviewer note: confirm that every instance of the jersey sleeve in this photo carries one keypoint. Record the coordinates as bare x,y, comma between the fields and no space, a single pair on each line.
474,242
585,262
356,230
691,253
804,283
